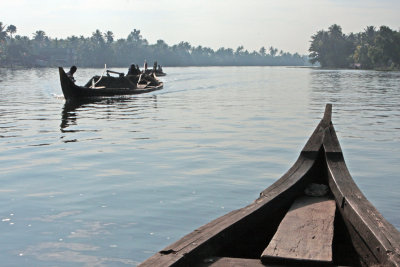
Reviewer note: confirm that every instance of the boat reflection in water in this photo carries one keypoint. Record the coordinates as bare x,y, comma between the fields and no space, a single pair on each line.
94,109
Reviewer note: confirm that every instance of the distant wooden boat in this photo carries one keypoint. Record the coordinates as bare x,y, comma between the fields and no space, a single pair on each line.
128,87
313,215
158,73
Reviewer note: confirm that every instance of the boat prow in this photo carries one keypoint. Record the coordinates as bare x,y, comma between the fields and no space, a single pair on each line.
287,225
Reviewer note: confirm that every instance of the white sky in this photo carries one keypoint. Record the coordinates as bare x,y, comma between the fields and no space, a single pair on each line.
284,24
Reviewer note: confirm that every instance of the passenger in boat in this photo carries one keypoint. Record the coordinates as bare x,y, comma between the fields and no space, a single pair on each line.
155,66
149,78
71,72
133,70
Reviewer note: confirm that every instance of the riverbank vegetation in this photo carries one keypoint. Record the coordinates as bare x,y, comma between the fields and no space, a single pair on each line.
102,48
371,49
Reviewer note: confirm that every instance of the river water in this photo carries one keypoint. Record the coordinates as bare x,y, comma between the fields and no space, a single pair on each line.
111,182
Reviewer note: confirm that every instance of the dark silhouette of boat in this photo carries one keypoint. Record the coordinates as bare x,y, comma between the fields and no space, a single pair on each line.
109,86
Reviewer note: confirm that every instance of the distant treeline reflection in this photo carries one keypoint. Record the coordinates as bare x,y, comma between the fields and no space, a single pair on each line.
101,48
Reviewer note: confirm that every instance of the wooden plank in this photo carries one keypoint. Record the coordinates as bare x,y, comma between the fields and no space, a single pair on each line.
239,262
305,233
232,262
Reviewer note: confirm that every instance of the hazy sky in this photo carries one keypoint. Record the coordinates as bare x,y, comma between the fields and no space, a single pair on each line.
284,24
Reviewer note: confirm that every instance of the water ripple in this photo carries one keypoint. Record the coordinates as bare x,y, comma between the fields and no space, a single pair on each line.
123,177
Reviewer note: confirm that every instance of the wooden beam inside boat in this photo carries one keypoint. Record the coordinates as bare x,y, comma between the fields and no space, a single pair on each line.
232,262
305,233
240,262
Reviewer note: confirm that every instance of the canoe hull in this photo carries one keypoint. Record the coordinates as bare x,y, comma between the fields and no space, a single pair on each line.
73,91
362,236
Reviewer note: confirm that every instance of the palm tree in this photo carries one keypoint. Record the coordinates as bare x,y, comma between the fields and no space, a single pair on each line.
273,51
97,37
239,50
263,51
109,35
3,32
136,37
369,34
318,48
340,47
161,45
39,36
11,29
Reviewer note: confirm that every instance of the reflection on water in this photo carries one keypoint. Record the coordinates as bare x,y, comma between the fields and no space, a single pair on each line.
68,116
76,253
365,98
111,181
99,107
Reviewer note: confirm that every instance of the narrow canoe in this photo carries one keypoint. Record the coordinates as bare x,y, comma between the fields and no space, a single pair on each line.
73,91
285,226
158,73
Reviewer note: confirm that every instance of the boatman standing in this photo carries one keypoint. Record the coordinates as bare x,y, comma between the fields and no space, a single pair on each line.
145,66
71,72
155,67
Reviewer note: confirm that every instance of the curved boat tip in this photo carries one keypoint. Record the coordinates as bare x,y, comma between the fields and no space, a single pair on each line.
66,84
61,71
328,113
316,140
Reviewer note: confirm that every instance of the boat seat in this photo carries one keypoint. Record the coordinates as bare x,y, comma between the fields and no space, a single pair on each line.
305,234
231,262
240,262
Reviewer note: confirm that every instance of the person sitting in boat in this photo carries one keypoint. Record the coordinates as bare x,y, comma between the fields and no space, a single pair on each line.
159,68
133,70
71,72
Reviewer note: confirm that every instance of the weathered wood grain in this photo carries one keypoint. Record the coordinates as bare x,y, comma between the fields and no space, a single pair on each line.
305,233
240,262
376,241
232,262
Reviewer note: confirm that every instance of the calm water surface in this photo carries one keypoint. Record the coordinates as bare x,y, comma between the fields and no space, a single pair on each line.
111,182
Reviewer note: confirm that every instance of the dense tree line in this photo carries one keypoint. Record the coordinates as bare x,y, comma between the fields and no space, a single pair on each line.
102,48
371,49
